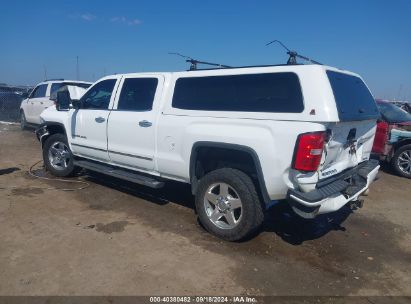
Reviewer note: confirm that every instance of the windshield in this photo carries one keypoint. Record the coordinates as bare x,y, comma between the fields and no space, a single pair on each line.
56,86
78,84
392,114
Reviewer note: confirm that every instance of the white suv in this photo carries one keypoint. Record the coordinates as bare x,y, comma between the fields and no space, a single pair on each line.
242,137
39,99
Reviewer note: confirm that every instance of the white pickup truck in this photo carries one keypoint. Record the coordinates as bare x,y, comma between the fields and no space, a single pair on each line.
242,137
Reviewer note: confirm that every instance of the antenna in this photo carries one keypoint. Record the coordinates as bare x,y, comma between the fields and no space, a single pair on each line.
45,71
195,62
293,54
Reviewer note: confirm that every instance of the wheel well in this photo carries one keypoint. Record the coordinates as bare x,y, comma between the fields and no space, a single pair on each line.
401,143
53,129
208,157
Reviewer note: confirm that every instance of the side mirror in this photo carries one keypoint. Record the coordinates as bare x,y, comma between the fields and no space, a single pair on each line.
76,103
63,101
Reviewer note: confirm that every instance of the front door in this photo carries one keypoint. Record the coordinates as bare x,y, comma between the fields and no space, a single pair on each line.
131,126
88,125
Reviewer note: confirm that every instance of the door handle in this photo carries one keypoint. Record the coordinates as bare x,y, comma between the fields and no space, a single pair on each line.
41,102
145,124
100,119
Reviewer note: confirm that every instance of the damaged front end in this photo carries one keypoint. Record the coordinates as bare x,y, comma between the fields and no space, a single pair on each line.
41,132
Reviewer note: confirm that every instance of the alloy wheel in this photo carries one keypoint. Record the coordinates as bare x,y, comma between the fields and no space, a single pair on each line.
223,205
59,155
404,162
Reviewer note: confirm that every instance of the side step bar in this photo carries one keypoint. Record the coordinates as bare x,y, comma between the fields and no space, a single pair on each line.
120,173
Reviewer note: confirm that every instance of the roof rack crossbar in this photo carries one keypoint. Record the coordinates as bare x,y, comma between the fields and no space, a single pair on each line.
194,62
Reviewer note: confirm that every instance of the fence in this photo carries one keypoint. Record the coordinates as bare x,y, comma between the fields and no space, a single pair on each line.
10,100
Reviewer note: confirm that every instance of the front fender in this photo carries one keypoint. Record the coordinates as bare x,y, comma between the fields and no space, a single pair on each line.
48,128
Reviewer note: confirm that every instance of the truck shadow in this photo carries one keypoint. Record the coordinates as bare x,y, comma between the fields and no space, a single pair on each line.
175,192
295,230
280,219
387,168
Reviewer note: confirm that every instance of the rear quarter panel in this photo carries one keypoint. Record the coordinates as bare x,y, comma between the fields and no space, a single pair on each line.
273,142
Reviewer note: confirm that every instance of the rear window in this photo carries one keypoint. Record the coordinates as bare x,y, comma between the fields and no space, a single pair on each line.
354,100
270,92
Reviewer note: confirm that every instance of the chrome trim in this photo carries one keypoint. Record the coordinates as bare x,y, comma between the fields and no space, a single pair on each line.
82,146
130,155
115,152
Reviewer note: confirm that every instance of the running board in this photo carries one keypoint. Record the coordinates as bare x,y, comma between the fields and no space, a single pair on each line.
120,173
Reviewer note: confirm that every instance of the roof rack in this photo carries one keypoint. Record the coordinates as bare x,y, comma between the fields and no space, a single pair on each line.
293,54
194,62
249,66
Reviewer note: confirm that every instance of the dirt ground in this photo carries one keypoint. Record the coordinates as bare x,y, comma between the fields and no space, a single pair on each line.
117,238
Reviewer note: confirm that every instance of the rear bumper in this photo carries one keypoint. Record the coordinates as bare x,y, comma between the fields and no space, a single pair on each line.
333,193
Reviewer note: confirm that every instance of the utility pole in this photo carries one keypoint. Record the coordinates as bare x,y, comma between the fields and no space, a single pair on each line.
45,71
77,69
399,93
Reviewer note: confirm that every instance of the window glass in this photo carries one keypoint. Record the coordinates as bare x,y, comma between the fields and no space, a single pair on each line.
137,94
40,91
393,114
354,100
270,92
55,87
98,97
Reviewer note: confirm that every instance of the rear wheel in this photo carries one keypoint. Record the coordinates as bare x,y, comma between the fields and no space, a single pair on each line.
401,161
23,121
228,205
57,156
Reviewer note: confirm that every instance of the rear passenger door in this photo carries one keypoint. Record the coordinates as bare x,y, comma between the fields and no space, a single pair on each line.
35,104
41,104
131,126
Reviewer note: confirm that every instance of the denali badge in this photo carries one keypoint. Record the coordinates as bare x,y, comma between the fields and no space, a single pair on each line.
333,171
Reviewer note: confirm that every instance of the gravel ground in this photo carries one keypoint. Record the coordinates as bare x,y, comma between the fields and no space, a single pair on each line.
117,238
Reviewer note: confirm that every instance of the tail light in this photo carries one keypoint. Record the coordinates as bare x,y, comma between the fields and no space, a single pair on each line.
309,150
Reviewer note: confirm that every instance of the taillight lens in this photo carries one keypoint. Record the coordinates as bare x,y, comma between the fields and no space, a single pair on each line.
309,150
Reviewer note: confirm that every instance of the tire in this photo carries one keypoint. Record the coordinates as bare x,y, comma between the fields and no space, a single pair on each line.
401,161
57,156
23,121
218,208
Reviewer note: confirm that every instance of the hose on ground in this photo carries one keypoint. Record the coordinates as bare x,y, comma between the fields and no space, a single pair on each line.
33,174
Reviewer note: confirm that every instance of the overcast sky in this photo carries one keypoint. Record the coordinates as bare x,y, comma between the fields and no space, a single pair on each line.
372,38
